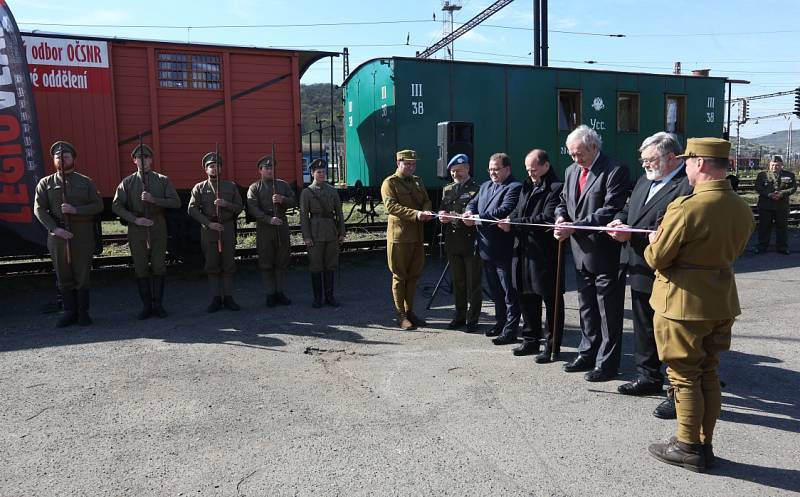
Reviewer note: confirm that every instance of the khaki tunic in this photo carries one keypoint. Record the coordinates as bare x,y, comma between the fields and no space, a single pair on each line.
128,205
81,194
694,297
322,221
465,264
272,242
403,198
203,210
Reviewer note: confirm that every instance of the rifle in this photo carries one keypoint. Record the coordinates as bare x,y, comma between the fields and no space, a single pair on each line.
144,178
216,191
64,217
274,191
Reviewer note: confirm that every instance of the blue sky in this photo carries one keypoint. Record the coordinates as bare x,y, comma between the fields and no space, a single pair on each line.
755,41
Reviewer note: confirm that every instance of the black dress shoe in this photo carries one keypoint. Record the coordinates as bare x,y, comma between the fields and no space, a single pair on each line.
282,299
456,324
472,328
666,410
504,340
271,302
544,357
580,363
494,332
640,387
598,374
689,456
528,347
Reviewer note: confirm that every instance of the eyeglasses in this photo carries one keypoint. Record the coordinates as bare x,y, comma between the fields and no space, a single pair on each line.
644,161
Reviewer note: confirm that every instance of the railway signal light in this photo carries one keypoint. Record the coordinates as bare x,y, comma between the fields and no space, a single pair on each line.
797,102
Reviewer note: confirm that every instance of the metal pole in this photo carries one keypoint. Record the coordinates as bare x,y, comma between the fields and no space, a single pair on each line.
537,42
545,48
789,145
332,135
738,144
728,129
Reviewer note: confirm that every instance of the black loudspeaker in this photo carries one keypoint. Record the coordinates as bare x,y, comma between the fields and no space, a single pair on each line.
454,137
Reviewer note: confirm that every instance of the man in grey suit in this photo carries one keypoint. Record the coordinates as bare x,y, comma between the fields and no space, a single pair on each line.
664,180
496,199
595,190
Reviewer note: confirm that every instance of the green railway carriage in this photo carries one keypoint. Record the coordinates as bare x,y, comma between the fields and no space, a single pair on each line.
396,103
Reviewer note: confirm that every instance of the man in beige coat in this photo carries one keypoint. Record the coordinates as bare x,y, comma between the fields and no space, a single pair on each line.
694,296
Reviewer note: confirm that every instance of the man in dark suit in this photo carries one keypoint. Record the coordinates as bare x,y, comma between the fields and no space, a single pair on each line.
536,257
496,199
595,190
664,180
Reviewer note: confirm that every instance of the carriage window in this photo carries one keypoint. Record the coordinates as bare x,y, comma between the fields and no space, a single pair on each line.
675,121
628,113
569,109
181,70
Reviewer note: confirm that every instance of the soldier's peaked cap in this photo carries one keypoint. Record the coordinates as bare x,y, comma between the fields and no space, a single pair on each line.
212,157
61,146
318,164
707,147
141,151
265,161
777,158
458,159
406,155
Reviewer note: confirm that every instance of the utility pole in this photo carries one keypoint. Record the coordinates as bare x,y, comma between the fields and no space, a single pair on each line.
449,8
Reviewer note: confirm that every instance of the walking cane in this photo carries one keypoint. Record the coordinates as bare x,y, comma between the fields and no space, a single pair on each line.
556,336
216,191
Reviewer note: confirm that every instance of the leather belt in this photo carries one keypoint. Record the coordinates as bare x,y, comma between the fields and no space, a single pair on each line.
687,265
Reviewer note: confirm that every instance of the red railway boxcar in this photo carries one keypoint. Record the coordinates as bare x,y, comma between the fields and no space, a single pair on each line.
102,94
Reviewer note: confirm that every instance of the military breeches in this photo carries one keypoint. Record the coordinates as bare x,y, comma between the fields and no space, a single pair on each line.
780,219
691,351
273,246
219,262
467,290
75,273
148,262
323,256
406,261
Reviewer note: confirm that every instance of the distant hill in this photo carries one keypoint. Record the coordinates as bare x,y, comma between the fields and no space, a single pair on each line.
315,102
778,140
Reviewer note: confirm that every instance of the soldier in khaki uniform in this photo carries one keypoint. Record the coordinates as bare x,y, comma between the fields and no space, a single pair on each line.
694,296
322,224
216,204
140,200
66,203
774,188
408,206
465,264
267,201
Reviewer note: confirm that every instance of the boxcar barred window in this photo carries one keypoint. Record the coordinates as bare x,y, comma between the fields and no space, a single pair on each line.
675,114
181,70
628,113
569,109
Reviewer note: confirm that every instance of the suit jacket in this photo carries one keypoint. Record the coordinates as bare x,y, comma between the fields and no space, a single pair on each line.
493,243
700,237
639,214
536,251
603,197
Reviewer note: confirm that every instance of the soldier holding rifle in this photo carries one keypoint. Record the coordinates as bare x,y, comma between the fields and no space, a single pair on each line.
140,201
66,203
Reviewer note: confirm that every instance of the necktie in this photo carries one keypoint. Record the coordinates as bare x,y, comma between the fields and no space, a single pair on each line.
582,180
654,186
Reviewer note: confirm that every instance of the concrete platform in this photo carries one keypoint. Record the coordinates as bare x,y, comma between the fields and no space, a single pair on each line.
300,401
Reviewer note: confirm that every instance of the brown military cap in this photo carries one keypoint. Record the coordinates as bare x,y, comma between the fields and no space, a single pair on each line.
707,147
212,157
406,155
265,161
141,151
318,164
61,146
777,158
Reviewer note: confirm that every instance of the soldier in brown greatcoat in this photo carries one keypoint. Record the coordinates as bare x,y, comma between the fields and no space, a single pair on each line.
216,204
140,200
322,224
66,203
408,206
267,201
774,188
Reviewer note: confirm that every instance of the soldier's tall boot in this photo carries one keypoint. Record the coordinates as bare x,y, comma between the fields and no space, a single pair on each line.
329,298
316,285
269,285
70,313
280,297
158,296
227,293
83,307
146,294
213,288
